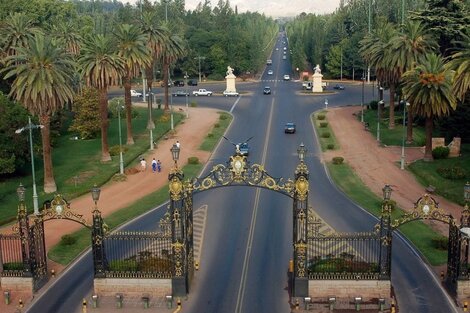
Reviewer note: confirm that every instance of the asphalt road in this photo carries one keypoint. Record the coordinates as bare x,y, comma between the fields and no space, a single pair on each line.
248,234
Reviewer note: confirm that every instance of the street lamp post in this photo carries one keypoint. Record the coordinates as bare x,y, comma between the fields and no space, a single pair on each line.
362,99
150,123
200,58
30,127
175,153
121,160
402,159
172,125
187,92
378,119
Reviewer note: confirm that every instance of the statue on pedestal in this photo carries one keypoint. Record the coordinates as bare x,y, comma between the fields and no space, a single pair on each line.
317,69
229,71
230,80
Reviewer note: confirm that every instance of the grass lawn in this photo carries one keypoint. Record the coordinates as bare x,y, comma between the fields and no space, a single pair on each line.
392,137
218,130
452,189
326,136
77,165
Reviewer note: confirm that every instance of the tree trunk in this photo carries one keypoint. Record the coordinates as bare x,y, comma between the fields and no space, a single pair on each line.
391,121
428,150
128,104
409,127
49,182
166,70
105,156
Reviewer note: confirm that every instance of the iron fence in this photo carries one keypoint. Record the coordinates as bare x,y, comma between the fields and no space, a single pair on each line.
344,256
11,257
138,255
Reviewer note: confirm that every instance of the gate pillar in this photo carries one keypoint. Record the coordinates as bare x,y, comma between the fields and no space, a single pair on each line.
385,233
23,230
179,281
97,244
300,226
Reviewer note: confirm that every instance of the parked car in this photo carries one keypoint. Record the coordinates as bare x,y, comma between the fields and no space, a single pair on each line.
181,93
192,82
244,148
289,128
231,93
134,93
178,83
338,87
269,62
286,77
267,90
270,72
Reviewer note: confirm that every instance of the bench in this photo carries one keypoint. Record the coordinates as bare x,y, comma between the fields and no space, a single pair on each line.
430,189
366,125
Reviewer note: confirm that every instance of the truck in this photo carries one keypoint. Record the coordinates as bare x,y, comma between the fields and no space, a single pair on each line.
202,92
134,93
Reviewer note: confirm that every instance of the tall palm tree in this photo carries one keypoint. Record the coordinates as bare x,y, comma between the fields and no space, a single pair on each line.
43,73
16,31
429,87
101,67
377,50
66,32
460,62
132,48
413,42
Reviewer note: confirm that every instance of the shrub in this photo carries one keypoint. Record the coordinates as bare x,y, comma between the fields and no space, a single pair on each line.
193,104
453,172
373,104
323,124
325,135
440,243
67,240
321,117
13,266
216,125
114,150
338,160
164,118
210,135
330,146
123,266
223,117
440,152
193,160
86,122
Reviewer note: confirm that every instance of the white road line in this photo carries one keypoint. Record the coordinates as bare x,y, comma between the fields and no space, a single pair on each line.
235,104
241,293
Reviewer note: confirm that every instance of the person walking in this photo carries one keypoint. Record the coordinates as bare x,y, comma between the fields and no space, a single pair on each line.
143,164
177,144
154,165
159,166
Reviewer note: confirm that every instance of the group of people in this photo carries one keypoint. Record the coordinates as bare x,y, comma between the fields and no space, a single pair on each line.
156,164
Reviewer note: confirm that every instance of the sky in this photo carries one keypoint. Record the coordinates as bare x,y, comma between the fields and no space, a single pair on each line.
274,8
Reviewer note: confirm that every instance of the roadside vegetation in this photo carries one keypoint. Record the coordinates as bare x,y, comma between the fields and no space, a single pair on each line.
325,134
217,132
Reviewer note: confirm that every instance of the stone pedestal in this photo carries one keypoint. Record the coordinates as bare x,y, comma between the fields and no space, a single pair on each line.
230,80
317,82
132,287
454,147
348,289
23,285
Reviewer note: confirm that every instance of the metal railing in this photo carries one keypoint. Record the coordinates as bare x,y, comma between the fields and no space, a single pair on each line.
11,258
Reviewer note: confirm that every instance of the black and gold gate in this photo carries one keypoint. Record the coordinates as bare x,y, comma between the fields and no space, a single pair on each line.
237,172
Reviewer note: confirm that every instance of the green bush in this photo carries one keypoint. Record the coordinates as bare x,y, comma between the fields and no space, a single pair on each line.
123,266
373,104
338,160
114,150
86,122
193,160
440,243
440,152
13,266
223,117
325,135
330,146
193,104
323,124
216,125
452,172
210,135
67,240
321,117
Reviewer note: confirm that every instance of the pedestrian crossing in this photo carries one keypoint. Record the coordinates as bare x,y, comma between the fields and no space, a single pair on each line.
274,80
199,223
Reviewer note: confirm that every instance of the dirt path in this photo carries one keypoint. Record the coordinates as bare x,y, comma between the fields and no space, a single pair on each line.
377,166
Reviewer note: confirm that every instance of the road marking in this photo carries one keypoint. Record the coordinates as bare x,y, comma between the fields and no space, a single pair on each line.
235,104
241,294
199,227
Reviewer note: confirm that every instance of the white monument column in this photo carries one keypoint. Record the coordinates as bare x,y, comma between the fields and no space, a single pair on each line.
230,80
317,80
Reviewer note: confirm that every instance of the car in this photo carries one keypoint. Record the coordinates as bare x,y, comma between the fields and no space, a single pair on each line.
231,93
202,92
286,77
181,93
134,93
269,62
178,83
270,72
284,57
192,82
289,128
285,52
267,90
338,87
243,148
285,48
277,49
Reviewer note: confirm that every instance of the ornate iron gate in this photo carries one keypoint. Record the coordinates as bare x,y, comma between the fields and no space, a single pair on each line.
237,172
37,253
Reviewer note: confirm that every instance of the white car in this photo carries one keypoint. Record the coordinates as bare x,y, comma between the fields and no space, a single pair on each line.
135,93
284,57
286,77
270,72
231,93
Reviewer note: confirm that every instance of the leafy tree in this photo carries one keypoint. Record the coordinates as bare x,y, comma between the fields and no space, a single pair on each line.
86,122
428,87
101,67
42,74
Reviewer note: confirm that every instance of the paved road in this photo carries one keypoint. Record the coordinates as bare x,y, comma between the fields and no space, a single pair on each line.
248,239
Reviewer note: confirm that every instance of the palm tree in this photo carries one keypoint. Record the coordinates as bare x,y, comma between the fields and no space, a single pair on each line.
132,48
66,33
377,50
460,62
429,87
101,67
412,43
43,73
16,31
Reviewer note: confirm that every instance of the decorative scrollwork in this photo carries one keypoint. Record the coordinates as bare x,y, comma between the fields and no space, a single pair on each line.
426,208
60,209
301,252
301,188
176,188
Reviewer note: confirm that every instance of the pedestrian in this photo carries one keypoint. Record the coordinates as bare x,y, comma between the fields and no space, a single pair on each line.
159,166
143,164
177,144
154,165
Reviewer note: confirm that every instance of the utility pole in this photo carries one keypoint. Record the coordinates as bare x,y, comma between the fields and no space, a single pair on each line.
368,31
200,58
